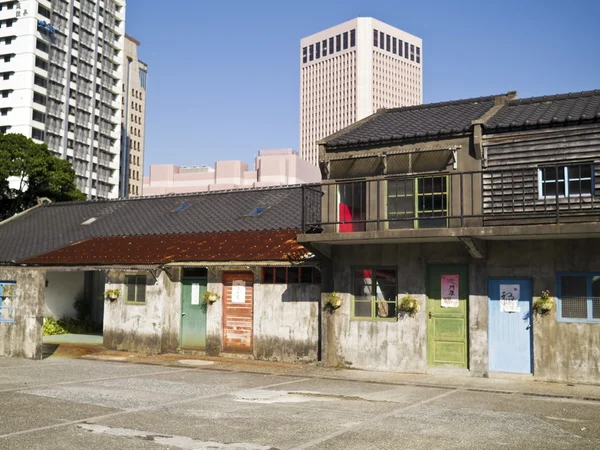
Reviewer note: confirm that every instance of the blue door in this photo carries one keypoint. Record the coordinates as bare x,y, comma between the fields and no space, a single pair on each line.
509,325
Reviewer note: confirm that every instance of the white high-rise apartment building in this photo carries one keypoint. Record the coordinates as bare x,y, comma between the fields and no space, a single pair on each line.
61,77
350,71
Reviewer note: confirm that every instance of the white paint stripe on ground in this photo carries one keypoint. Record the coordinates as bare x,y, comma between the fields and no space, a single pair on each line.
93,380
138,410
376,419
172,441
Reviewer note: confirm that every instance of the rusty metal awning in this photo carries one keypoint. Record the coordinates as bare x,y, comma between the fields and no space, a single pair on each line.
246,246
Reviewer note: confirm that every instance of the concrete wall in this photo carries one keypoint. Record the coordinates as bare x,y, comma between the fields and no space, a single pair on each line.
62,291
562,351
23,338
152,327
285,322
566,352
381,345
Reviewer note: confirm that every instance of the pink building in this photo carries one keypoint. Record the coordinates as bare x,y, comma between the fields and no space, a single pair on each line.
271,168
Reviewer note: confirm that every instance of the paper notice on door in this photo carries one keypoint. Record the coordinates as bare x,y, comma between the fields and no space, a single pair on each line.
509,298
450,291
238,291
195,294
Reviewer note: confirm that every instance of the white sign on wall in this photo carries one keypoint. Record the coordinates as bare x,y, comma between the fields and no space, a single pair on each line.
195,294
238,291
509,297
450,285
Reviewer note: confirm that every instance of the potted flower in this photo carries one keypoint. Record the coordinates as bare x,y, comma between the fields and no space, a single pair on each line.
333,302
112,294
544,304
409,305
210,297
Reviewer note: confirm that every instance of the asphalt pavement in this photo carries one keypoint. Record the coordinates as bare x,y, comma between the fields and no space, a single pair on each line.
180,402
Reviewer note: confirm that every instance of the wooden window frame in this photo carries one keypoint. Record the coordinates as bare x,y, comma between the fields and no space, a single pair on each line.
315,279
136,285
589,299
373,300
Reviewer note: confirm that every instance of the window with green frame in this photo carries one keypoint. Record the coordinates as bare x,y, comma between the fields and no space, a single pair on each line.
135,287
375,294
418,202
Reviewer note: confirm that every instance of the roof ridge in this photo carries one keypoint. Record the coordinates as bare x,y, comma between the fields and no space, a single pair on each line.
546,98
445,103
181,195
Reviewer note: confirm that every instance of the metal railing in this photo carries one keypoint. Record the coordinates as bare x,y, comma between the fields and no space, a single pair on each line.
549,194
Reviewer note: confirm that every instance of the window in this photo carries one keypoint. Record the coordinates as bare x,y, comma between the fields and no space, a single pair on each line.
388,42
304,55
324,45
418,54
579,297
135,287
317,50
423,199
381,40
394,46
291,275
412,52
375,293
42,64
44,11
38,116
8,290
375,36
7,58
406,50
566,181
345,40
39,98
330,45
181,207
338,43
37,134
399,47
352,38
311,52
6,75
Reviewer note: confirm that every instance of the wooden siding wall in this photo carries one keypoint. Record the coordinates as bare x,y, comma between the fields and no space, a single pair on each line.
510,186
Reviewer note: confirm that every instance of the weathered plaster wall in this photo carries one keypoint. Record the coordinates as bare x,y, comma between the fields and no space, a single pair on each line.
562,351
285,318
152,327
286,322
23,338
381,345
62,291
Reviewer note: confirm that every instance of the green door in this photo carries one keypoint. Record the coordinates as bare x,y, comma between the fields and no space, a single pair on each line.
193,314
447,315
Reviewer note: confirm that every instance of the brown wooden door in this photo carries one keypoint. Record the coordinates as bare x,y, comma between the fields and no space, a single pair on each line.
238,298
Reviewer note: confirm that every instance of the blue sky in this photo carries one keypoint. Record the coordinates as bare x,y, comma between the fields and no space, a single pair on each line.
224,75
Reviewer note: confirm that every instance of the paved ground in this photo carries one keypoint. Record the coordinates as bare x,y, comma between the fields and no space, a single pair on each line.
64,403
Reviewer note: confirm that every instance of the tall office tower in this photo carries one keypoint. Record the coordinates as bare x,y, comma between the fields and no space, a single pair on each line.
133,121
61,75
349,71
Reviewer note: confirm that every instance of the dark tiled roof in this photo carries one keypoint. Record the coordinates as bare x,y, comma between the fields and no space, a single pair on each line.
429,120
251,246
57,225
548,110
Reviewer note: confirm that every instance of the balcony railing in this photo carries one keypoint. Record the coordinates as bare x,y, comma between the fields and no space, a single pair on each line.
563,193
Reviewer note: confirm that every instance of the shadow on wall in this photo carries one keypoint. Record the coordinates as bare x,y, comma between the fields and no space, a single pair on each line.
301,293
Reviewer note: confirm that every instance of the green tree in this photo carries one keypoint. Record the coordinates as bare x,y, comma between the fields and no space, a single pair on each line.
38,173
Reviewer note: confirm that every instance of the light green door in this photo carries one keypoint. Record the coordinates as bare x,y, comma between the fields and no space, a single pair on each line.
193,314
447,315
